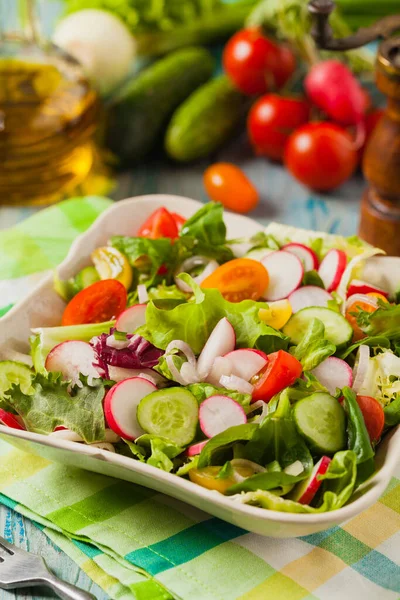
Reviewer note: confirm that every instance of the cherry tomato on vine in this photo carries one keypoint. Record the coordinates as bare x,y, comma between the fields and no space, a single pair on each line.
272,119
226,183
321,155
256,64
161,223
101,301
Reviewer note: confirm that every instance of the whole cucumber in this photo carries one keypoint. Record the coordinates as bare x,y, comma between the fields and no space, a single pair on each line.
204,121
139,112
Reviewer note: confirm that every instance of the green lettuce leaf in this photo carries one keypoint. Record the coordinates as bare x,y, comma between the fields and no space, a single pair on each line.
158,451
220,443
372,341
358,438
392,412
45,338
194,321
201,391
339,484
313,348
312,278
51,405
383,322
207,225
145,255
269,480
187,466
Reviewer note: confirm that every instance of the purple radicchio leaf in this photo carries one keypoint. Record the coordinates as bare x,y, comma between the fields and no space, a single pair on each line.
133,353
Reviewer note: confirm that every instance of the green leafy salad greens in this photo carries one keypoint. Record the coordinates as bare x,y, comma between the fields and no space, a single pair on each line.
284,417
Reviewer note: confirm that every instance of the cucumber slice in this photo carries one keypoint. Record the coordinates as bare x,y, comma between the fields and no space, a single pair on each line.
86,277
337,329
321,421
15,372
171,413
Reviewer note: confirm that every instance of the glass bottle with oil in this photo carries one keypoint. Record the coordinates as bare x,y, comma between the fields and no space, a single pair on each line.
48,117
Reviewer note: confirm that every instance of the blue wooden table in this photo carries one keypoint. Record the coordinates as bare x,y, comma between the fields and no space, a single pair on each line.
282,199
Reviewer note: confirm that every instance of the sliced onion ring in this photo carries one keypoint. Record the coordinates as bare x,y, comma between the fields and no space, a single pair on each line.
143,296
191,359
296,468
237,384
255,406
362,298
243,462
189,264
361,367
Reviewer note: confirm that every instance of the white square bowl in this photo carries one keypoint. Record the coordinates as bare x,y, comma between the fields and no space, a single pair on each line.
43,307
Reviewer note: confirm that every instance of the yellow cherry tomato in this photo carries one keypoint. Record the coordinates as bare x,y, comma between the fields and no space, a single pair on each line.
378,295
277,314
110,263
207,477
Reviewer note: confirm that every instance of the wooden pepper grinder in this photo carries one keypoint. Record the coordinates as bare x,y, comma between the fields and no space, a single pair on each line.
380,205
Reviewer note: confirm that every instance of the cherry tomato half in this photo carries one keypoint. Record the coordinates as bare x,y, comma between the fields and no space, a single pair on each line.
254,63
179,220
351,316
321,155
271,121
239,279
226,183
373,414
160,224
101,301
281,371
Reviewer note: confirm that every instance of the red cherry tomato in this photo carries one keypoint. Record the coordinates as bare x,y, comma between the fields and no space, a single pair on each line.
287,65
321,155
281,371
226,183
179,220
371,121
160,224
271,121
101,301
253,62
373,414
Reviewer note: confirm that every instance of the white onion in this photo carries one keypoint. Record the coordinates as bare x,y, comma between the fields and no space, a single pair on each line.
243,462
370,300
189,373
67,435
173,370
183,347
191,263
255,406
361,367
111,342
221,366
237,477
103,446
148,377
143,296
295,468
232,382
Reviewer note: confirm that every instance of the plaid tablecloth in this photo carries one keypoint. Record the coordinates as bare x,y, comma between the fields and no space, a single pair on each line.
136,543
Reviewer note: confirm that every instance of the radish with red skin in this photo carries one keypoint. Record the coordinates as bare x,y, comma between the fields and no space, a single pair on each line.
246,363
285,272
72,358
120,406
332,87
10,420
131,318
357,286
332,268
305,491
218,413
334,373
221,341
304,253
309,295
195,449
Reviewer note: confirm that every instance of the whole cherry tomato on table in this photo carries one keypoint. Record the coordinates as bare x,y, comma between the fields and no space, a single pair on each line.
256,64
272,119
321,155
226,183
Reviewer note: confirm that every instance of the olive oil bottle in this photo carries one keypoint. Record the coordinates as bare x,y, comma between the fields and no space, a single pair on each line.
48,117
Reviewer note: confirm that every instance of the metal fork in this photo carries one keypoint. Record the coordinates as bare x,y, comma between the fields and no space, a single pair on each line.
19,569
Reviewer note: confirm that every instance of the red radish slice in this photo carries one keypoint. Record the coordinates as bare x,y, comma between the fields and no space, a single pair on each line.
120,406
332,268
245,363
221,366
221,341
334,373
285,272
118,374
357,286
304,253
217,413
10,420
72,358
305,491
131,318
195,449
309,295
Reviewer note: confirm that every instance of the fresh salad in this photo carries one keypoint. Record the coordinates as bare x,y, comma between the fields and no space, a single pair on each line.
264,368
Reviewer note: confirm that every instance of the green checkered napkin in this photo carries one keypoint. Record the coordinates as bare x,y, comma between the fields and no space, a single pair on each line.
136,543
